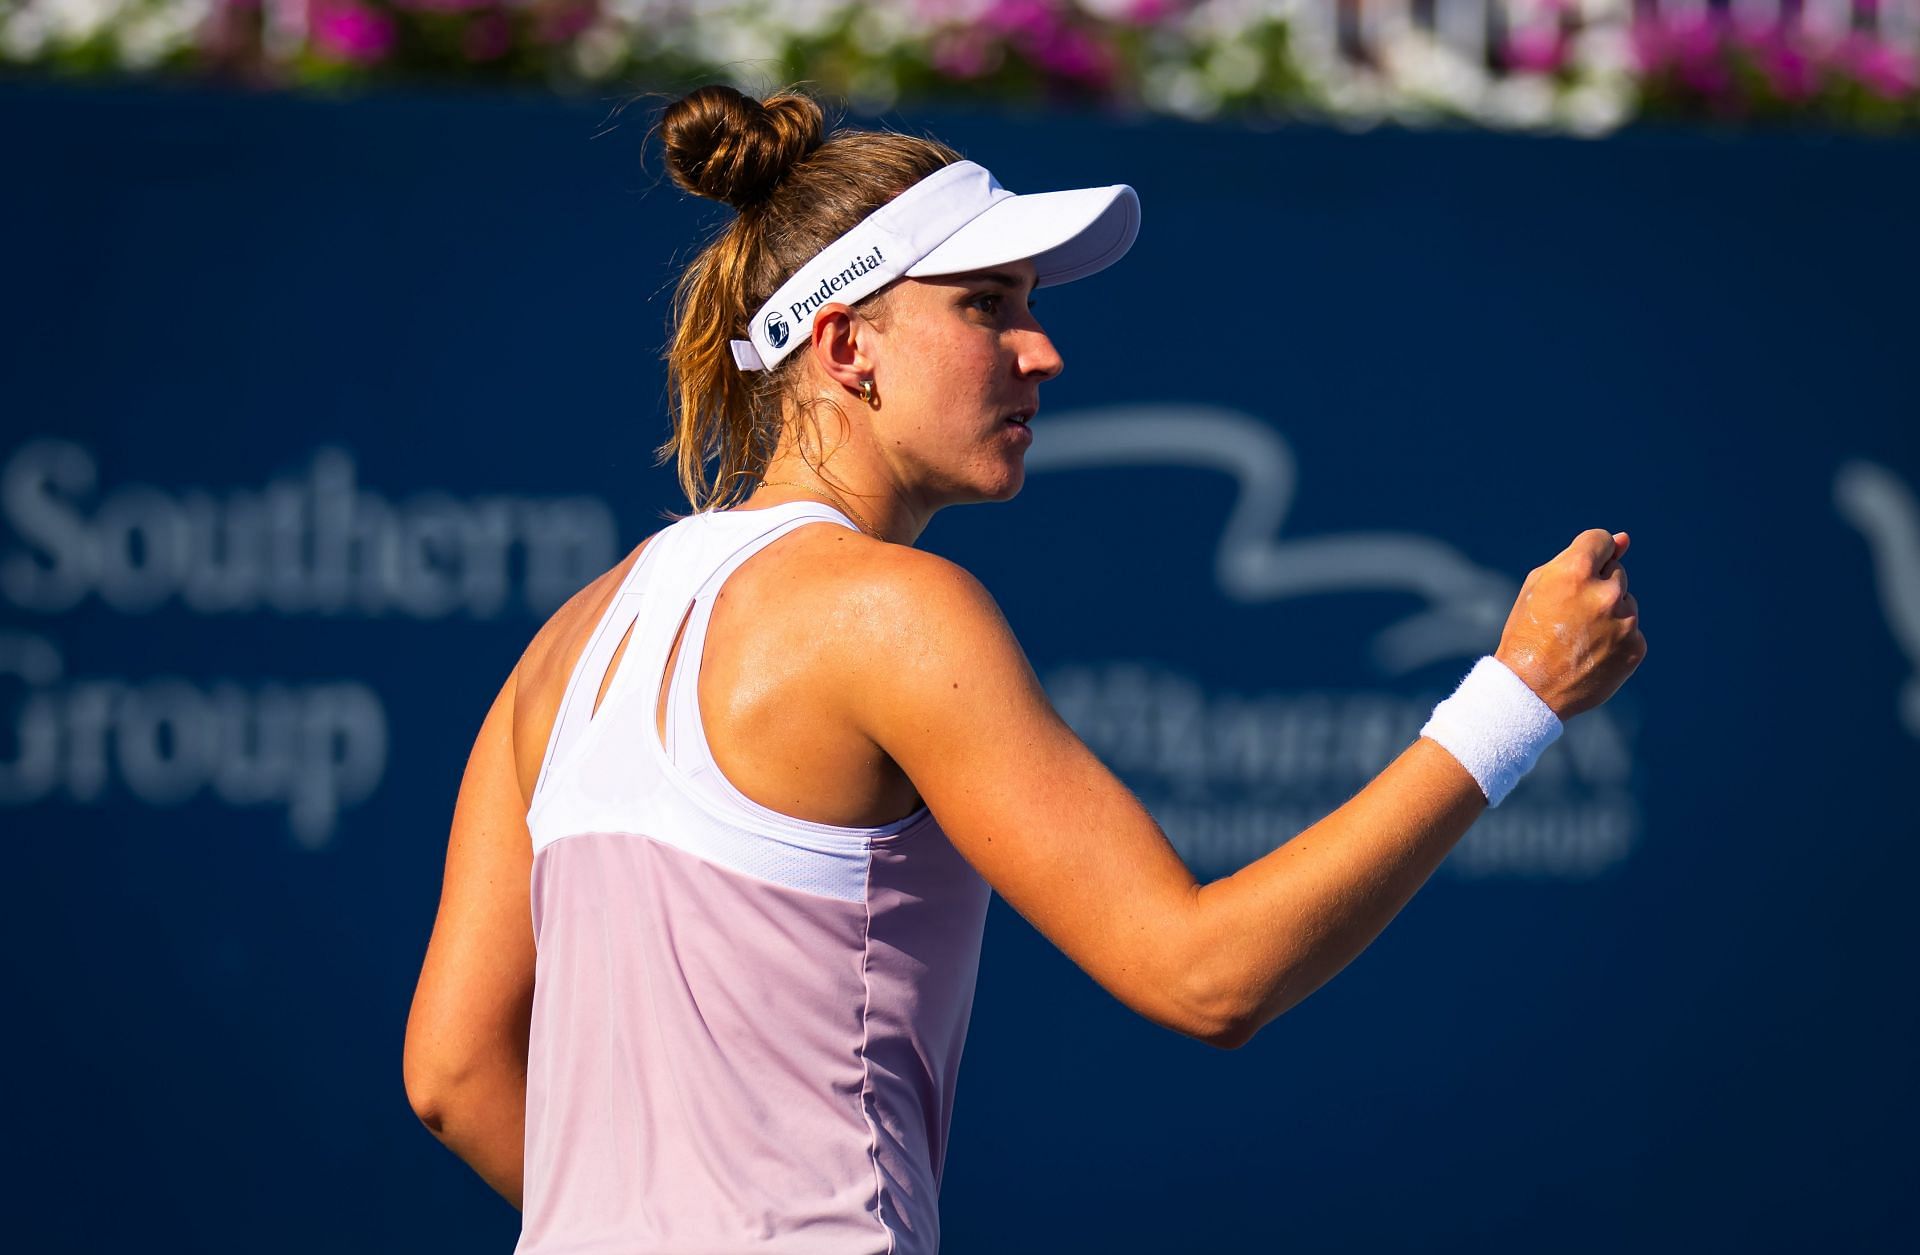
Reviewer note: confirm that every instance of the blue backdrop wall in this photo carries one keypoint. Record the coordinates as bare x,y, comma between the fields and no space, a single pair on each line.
314,410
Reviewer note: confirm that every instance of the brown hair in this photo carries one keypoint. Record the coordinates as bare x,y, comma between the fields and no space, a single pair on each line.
796,194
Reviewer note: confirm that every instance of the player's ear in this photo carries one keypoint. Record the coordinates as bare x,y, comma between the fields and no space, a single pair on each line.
843,345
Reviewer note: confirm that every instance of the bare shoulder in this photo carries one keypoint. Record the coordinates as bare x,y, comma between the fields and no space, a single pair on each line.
890,601
891,629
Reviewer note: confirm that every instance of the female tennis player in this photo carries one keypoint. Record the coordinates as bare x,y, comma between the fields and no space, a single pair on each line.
706,946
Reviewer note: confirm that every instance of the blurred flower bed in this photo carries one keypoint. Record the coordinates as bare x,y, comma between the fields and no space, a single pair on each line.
1584,66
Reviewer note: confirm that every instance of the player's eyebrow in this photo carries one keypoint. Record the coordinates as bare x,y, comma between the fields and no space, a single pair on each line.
1001,277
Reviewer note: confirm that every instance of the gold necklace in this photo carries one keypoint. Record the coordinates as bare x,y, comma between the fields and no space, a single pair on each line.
859,521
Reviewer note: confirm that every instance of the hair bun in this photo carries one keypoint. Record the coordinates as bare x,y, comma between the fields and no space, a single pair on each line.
727,146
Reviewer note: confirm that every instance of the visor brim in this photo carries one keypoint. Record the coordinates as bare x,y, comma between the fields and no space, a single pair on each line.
1068,235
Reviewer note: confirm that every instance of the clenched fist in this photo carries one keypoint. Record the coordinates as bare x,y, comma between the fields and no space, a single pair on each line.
1574,634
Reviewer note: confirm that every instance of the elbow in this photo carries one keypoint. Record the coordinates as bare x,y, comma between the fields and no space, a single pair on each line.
1206,1014
1221,1014
1204,982
1223,1000
1220,1032
1226,1031
426,1097
452,1094
432,1086
1231,1035
430,1112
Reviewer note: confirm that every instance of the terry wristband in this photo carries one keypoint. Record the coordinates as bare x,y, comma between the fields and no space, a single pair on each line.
1495,725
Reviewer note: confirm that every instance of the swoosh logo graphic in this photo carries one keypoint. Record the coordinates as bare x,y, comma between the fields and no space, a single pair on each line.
1466,604
1884,510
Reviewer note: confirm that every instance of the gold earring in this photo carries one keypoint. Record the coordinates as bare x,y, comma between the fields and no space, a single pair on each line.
866,392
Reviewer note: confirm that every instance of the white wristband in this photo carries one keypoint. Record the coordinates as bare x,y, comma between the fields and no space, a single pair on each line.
1495,725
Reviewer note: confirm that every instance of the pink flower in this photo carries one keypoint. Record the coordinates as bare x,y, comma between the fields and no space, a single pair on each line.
1151,12
1782,55
1884,70
1791,72
1536,50
1651,47
1075,55
351,32
1697,38
1041,33
1692,48
1023,17
1658,42
963,54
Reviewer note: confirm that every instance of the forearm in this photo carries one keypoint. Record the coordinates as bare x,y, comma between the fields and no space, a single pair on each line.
1278,929
483,1120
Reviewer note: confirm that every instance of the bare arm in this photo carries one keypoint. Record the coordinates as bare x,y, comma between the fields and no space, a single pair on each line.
467,1035
1278,929
466,1049
941,685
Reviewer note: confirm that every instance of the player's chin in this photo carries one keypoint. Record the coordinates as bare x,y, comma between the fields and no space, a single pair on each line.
1006,485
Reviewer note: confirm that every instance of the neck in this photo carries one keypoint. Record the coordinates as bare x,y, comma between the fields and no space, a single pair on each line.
851,477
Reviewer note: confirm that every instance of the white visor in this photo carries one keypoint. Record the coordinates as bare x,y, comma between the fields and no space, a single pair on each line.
955,220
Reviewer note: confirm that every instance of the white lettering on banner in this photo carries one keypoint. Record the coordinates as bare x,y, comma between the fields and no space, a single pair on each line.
1540,841
311,544
1887,512
311,749
1232,776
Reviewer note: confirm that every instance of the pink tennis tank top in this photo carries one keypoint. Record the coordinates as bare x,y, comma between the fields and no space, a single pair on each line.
746,1027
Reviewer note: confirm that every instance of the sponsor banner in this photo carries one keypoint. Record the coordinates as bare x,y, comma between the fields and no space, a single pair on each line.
317,410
